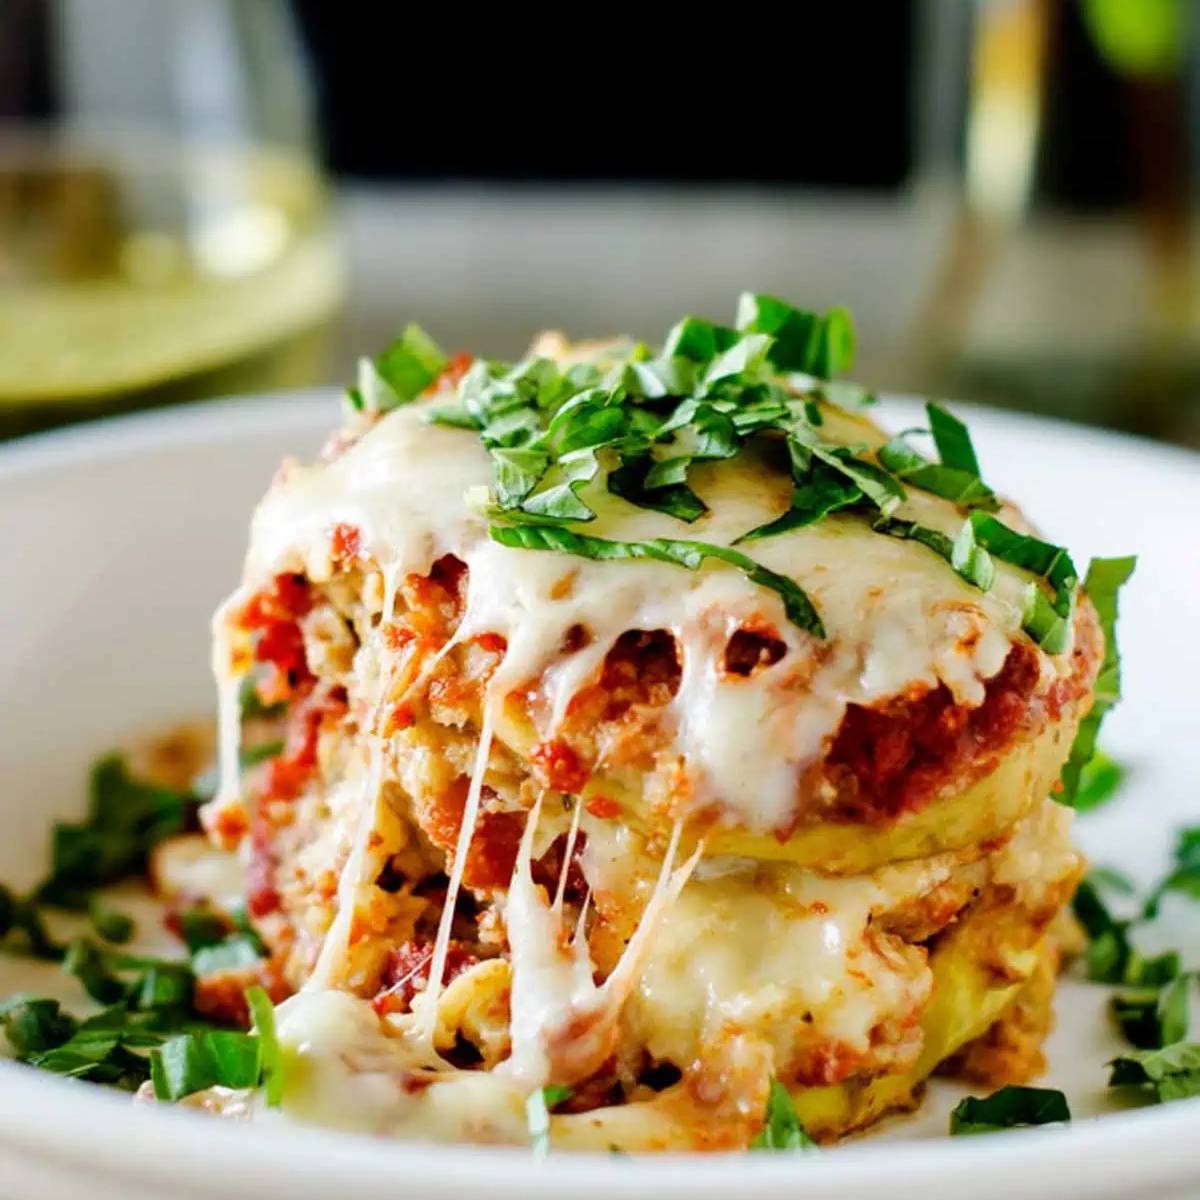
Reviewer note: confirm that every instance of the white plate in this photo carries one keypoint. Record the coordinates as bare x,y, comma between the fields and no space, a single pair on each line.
116,542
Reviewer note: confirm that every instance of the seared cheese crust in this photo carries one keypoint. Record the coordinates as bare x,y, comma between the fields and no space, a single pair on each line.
626,828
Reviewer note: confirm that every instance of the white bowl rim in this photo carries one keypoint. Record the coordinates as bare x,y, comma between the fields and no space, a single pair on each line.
1148,1148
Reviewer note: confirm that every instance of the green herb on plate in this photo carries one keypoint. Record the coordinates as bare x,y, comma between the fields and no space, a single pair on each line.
1172,1073
1009,1108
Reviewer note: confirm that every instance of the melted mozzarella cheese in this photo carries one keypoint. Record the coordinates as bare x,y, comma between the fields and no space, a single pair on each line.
787,955
772,951
563,1024
344,1072
895,614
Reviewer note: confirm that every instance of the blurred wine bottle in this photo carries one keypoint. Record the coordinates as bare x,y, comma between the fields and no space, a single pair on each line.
164,227
1071,284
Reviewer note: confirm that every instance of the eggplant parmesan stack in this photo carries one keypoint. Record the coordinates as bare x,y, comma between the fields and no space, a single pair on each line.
658,732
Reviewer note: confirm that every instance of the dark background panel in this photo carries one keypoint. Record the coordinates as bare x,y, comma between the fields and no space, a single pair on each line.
819,94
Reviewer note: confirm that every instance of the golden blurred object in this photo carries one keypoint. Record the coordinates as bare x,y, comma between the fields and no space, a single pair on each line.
130,266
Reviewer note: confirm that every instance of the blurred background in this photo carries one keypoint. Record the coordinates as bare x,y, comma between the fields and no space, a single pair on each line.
199,197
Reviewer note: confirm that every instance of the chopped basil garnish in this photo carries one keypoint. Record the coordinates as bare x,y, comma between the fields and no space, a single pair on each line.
25,921
1051,562
100,1058
968,559
517,472
937,541
801,341
33,1025
557,437
952,439
193,1062
215,946
676,500
1046,619
126,818
90,966
829,478
560,500
452,416
965,490
877,485
1187,847
636,426
109,922
1111,957
1108,941
825,491
971,560
156,984
698,340
747,354
956,477
164,985
781,1126
408,366
201,927
1104,580
203,1058
1153,1019
1184,875
142,1012
148,1001
1099,781
1009,1108
1171,1073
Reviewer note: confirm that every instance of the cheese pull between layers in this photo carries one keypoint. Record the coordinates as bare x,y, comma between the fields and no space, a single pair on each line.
800,943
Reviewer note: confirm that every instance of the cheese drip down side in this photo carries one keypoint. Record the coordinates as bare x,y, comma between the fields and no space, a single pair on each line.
896,615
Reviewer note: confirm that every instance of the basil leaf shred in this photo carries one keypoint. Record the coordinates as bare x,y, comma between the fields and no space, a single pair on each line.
1009,1108
781,1129
1105,578
690,555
